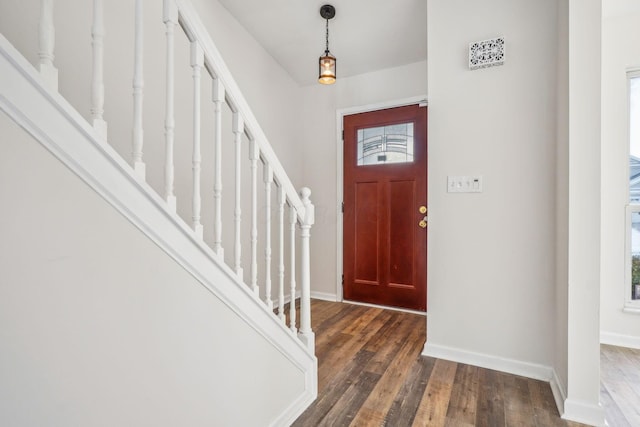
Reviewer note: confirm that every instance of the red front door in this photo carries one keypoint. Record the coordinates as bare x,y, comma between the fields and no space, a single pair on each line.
385,196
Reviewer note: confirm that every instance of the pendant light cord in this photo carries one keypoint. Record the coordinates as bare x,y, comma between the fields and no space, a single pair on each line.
326,52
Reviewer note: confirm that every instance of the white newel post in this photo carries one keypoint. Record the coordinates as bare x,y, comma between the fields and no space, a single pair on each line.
268,180
46,44
281,201
138,85
293,219
197,62
238,130
305,334
170,19
254,155
218,99
97,84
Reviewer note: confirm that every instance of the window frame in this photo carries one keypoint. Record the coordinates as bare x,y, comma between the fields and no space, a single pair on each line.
630,305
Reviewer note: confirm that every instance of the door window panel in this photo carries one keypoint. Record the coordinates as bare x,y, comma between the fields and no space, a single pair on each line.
385,144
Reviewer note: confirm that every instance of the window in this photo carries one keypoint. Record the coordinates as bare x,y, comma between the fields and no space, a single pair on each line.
385,144
632,282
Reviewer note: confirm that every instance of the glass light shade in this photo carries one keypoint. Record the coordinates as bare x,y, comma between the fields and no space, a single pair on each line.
327,69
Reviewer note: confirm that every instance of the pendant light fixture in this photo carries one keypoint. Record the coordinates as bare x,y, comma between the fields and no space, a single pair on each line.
327,62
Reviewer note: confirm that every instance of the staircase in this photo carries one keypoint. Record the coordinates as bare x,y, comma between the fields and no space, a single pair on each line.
235,256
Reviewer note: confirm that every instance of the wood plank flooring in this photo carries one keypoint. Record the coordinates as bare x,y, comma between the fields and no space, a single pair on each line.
371,373
620,385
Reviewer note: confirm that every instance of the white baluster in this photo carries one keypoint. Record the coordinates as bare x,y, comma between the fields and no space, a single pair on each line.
268,180
138,85
218,99
197,62
253,156
170,19
306,335
46,45
238,130
281,201
293,218
97,84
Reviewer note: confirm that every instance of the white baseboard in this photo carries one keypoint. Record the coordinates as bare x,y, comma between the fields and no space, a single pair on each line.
289,415
570,409
325,296
558,390
620,340
511,366
583,412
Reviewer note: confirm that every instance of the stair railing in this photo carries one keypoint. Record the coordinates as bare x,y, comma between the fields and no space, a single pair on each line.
205,58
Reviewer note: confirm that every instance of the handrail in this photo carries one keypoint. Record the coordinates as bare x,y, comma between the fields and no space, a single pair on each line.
195,31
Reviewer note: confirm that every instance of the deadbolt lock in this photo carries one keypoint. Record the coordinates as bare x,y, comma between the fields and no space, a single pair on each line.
422,209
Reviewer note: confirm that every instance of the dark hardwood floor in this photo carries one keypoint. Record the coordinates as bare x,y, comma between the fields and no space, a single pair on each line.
371,373
620,385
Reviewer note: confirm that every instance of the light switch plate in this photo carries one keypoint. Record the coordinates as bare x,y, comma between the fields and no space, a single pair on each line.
464,184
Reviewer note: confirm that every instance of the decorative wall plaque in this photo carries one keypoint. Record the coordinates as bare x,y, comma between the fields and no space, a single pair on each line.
486,53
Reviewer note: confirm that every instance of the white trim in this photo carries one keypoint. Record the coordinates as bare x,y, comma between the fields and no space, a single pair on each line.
631,310
386,307
298,406
422,100
583,412
630,208
324,296
558,390
66,134
620,340
511,366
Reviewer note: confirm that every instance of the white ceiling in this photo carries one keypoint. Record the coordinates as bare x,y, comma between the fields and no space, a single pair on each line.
365,35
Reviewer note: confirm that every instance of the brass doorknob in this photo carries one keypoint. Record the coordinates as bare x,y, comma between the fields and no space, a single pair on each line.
422,209
423,224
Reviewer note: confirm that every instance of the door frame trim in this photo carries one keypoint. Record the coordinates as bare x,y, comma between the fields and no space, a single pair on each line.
340,113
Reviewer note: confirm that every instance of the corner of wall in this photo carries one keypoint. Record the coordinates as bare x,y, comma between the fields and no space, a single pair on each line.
583,412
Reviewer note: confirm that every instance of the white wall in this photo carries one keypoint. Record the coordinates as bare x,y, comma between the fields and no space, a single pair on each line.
620,51
491,256
320,104
583,260
560,364
98,326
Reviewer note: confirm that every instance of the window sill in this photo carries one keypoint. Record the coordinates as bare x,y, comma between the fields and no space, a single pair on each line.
631,309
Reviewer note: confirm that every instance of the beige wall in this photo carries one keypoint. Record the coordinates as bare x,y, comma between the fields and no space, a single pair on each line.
491,256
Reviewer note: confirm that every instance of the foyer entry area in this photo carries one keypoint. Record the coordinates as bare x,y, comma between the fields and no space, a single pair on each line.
371,373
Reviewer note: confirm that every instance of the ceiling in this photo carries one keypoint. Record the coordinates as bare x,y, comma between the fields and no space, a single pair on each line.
365,35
